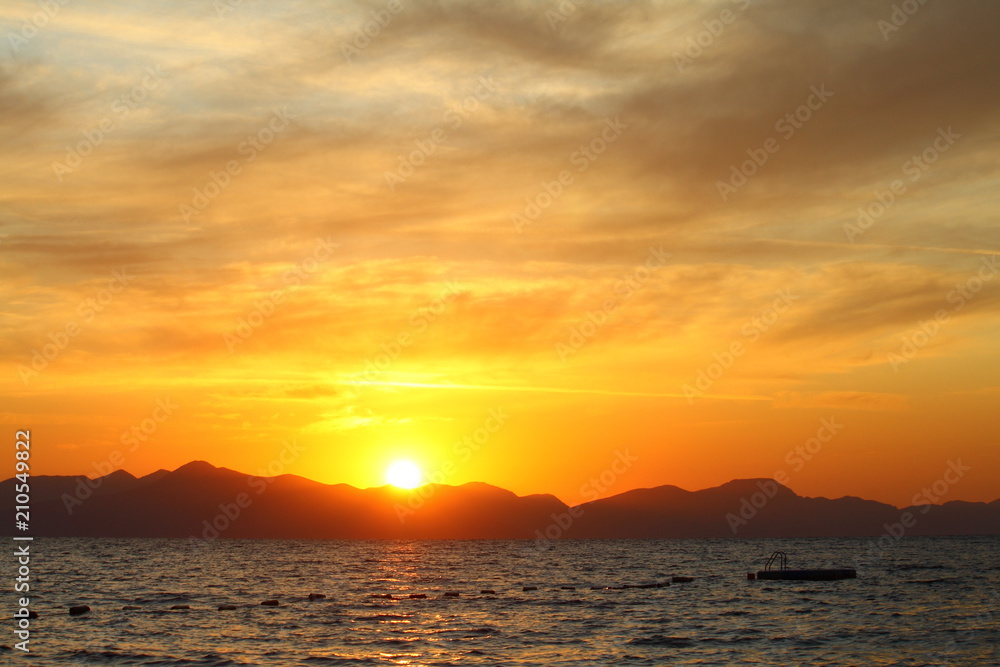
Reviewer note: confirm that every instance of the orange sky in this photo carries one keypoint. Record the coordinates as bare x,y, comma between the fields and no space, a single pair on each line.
511,244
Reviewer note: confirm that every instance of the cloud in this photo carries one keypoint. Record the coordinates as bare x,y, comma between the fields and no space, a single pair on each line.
356,118
844,400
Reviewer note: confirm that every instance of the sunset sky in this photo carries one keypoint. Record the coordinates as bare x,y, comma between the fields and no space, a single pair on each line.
506,242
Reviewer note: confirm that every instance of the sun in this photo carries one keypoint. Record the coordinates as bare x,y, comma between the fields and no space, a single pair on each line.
404,473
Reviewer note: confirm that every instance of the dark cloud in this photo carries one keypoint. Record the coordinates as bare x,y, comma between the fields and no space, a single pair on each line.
557,82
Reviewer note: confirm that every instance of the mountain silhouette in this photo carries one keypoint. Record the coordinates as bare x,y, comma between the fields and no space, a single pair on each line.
204,501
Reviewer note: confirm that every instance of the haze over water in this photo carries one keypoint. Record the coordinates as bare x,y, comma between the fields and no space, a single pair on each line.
923,601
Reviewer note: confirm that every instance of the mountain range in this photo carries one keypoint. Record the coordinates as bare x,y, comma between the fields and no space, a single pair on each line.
201,500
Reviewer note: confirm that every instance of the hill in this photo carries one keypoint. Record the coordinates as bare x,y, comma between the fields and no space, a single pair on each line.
201,500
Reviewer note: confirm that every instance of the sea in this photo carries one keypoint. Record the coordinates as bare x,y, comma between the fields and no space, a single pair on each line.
916,601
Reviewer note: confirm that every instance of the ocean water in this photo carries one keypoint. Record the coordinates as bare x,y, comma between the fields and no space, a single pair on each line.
917,601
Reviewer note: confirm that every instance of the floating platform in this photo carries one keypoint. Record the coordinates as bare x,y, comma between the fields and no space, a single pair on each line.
808,575
783,573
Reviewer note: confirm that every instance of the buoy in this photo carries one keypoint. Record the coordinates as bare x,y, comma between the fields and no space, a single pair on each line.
316,596
529,588
567,588
227,607
270,603
487,591
78,609
751,576
181,606
453,595
32,614
418,596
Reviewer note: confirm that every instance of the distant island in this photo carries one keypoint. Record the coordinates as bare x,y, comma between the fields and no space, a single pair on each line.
199,500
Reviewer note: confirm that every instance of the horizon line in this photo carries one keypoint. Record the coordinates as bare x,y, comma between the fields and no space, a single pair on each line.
495,486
